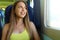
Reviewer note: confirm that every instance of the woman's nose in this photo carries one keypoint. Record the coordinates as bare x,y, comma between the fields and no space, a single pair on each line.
22,9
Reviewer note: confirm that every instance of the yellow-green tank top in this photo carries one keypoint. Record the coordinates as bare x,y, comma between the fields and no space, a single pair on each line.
22,36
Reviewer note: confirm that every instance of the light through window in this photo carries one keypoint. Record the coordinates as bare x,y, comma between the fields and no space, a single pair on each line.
52,14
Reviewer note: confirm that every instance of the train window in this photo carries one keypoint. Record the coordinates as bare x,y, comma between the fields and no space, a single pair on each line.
52,14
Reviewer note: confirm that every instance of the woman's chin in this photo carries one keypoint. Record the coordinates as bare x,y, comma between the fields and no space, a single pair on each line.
21,16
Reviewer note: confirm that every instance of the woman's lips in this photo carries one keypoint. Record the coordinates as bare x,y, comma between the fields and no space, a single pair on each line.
22,13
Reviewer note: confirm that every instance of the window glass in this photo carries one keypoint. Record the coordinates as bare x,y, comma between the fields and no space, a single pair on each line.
52,14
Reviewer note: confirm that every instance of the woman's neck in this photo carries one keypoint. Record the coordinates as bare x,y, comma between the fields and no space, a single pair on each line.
19,21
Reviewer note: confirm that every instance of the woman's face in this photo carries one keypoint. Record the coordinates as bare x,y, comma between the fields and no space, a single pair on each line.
20,10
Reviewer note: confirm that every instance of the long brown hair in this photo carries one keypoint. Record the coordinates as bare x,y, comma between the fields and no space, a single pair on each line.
13,21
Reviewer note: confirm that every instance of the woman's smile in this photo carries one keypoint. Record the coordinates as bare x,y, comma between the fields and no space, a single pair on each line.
22,13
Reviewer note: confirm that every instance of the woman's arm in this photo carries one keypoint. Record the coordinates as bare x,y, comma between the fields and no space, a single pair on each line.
35,34
4,32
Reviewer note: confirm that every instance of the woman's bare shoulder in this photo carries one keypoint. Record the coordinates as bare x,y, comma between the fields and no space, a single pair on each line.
4,31
6,26
32,25
35,33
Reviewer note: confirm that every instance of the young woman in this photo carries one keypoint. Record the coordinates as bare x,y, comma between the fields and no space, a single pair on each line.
19,27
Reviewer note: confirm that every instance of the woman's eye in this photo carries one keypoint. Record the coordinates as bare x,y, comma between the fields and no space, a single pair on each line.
20,7
25,7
